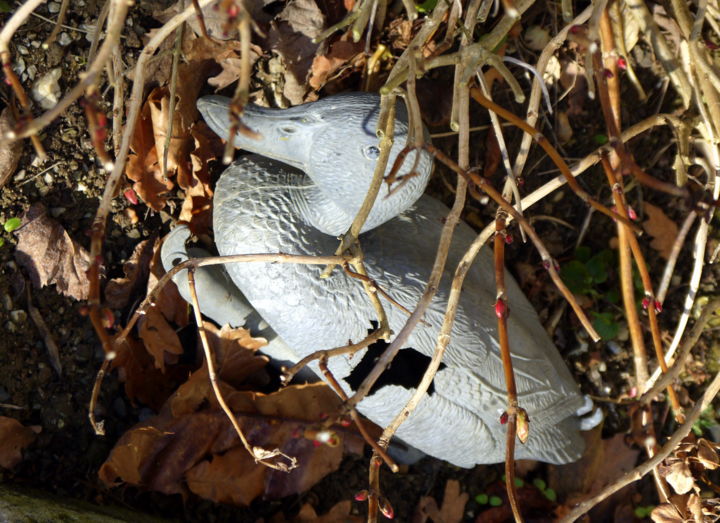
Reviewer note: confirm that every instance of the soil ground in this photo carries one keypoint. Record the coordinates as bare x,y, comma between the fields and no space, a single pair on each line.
66,455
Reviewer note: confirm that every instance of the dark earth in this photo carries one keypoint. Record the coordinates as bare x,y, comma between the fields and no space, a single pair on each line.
65,457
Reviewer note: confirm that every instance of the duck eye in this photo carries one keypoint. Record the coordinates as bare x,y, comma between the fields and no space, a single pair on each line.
371,152
288,130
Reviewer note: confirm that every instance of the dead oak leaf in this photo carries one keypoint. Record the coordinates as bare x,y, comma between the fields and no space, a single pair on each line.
159,338
143,167
666,513
340,54
143,382
50,256
340,512
226,54
707,455
196,208
201,450
118,291
291,37
453,505
661,228
679,476
14,438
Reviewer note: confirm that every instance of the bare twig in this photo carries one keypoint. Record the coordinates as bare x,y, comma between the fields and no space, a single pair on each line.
667,377
640,471
88,78
58,24
674,253
259,454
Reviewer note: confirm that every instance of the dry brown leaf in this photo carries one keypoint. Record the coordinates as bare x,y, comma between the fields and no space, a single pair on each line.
291,36
226,54
324,66
14,438
159,338
341,512
666,513
143,382
453,505
50,256
661,228
707,455
167,452
143,167
197,207
191,443
118,291
10,151
678,475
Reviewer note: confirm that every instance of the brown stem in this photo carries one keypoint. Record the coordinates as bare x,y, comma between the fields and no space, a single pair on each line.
640,471
552,153
260,455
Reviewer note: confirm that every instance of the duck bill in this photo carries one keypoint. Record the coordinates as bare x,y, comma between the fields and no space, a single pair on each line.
281,134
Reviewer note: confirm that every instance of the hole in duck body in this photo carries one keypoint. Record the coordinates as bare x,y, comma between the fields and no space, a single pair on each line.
406,369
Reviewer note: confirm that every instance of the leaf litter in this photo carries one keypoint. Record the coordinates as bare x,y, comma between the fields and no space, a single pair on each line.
50,257
190,446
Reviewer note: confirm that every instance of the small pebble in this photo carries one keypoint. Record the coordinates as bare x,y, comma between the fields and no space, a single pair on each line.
10,327
46,90
53,7
64,39
7,301
31,72
22,49
20,176
36,44
614,347
18,316
48,179
19,66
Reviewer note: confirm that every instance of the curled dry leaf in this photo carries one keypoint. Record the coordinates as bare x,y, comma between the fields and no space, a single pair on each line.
707,454
192,445
453,505
201,450
143,382
14,438
666,513
144,166
119,291
197,207
291,37
678,475
341,53
226,55
50,256
10,151
340,512
661,228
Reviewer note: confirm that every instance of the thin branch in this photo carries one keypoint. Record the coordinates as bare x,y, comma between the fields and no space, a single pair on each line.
640,471
259,454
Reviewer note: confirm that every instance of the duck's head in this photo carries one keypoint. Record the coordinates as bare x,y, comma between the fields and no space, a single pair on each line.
334,142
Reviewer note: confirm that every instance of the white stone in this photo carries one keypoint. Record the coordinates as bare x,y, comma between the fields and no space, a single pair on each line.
46,90
64,39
